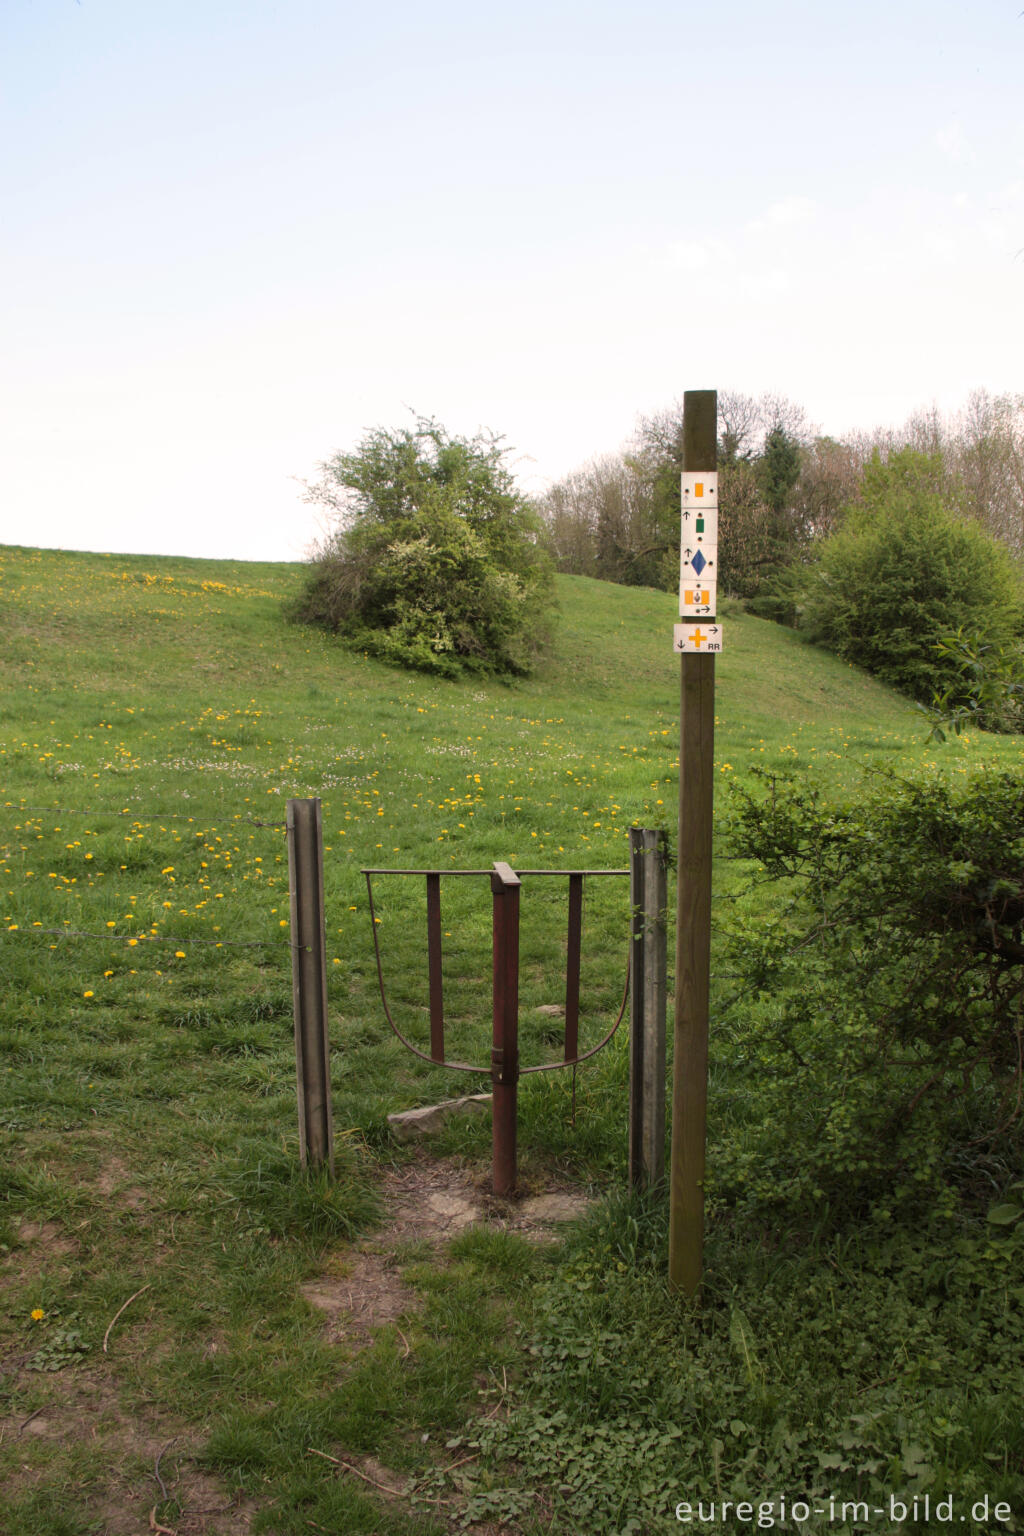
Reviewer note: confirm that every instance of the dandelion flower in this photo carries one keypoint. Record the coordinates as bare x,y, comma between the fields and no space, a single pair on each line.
37,1314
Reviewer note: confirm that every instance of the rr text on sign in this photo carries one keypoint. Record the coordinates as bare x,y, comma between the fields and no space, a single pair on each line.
698,639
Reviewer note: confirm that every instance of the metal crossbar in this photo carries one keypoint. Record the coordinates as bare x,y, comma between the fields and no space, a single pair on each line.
436,1056
450,873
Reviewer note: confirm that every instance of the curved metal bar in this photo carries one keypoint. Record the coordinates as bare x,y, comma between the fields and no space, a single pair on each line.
462,1066
554,1066
455,1066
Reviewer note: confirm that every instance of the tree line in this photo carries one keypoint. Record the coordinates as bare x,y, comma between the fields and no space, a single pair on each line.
900,549
783,486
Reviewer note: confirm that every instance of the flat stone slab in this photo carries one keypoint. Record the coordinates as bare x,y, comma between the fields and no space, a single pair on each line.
411,1124
455,1211
553,1208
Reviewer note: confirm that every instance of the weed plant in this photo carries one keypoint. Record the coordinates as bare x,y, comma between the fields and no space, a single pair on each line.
841,1370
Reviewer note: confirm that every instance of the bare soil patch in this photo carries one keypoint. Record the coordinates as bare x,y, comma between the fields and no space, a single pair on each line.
47,1240
133,1462
433,1200
137,1462
358,1296
115,1183
427,1203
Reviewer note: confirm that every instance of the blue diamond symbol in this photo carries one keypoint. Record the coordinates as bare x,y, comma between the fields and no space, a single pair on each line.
698,562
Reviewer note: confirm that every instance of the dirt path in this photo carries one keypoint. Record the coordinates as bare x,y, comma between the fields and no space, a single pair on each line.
150,1458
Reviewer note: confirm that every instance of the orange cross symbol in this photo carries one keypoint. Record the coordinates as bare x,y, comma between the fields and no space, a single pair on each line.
698,638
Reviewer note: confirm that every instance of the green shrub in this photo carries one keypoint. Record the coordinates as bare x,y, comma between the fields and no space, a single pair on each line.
434,562
877,1022
902,572
988,692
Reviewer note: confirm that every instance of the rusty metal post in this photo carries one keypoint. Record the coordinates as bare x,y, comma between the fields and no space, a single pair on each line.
309,982
434,966
573,948
505,1049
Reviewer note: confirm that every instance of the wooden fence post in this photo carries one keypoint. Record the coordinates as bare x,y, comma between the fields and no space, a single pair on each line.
693,911
648,851
309,983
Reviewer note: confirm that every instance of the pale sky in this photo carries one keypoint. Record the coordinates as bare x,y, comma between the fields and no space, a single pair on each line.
236,234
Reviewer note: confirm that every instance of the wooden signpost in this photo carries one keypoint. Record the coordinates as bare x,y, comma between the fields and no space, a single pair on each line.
697,642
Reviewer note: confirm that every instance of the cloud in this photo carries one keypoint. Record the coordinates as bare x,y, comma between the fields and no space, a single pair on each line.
951,141
689,255
786,213
719,254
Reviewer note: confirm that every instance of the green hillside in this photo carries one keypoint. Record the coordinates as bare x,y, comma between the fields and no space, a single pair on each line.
156,714
143,632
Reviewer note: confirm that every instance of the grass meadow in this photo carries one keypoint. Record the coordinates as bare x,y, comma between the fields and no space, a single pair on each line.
155,717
